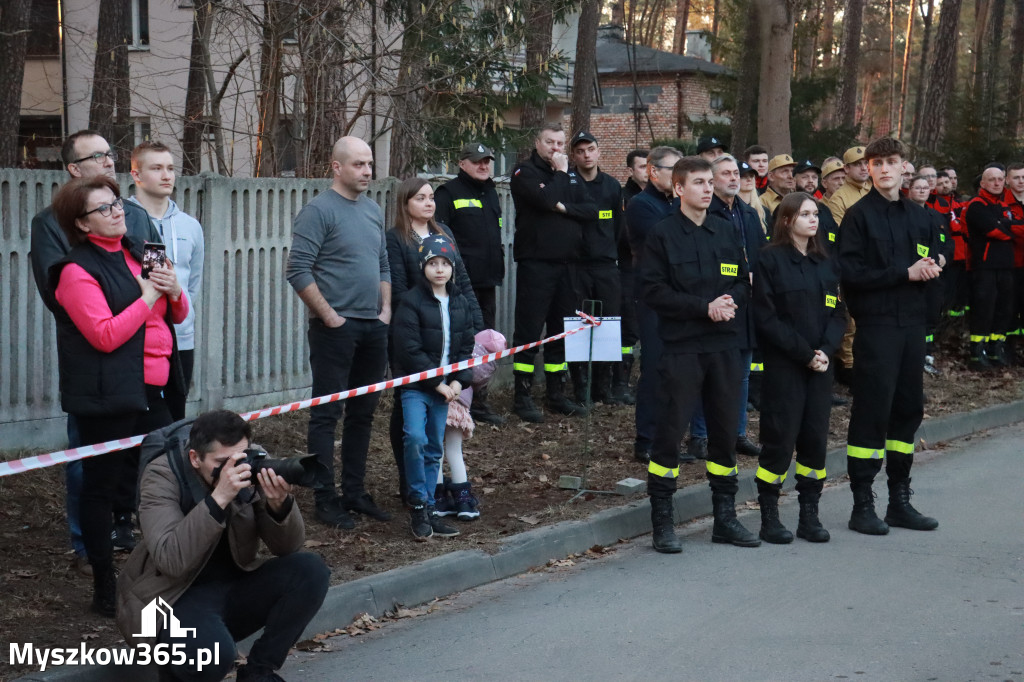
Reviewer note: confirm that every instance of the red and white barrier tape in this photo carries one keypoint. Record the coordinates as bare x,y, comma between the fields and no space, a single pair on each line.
42,461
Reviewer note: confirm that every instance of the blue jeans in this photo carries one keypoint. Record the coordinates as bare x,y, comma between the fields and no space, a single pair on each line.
73,484
425,415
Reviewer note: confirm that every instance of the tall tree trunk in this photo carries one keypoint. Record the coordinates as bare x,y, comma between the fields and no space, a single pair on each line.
585,73
110,108
679,35
746,83
992,71
808,38
716,22
1016,70
406,131
849,62
776,74
14,20
195,92
978,61
906,69
892,66
324,108
922,76
939,80
268,102
538,49
828,36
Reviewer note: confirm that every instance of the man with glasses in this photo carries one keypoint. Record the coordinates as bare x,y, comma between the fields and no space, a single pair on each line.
656,202
85,154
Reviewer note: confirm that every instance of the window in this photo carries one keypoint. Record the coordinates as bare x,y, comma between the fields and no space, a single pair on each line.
44,27
39,140
141,130
715,102
140,24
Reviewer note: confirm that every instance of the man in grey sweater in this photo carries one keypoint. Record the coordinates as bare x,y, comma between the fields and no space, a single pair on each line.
338,264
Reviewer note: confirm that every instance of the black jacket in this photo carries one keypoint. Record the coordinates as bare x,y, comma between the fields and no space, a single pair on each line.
49,244
473,212
406,272
645,210
879,240
542,233
93,382
685,267
601,237
828,230
418,338
751,238
796,304
989,233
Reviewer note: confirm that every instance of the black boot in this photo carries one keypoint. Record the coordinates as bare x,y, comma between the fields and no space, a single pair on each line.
978,360
772,530
664,538
556,398
809,528
863,519
996,352
727,528
481,411
696,448
901,513
104,586
524,406
578,374
620,385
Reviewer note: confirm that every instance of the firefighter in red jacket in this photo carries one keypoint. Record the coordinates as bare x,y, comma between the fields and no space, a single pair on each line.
956,287
990,229
1014,199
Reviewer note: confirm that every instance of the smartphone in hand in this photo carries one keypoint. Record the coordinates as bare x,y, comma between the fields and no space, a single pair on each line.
153,255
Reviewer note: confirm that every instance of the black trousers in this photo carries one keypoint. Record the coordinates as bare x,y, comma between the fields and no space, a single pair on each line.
630,326
281,596
104,475
546,292
175,398
350,356
1017,324
486,297
956,286
795,410
992,305
888,400
684,381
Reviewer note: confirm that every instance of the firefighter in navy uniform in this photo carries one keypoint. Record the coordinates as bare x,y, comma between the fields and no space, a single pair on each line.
469,205
552,206
990,229
887,256
800,320
599,272
695,278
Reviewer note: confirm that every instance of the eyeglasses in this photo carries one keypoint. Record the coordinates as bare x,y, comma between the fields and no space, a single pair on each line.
98,157
106,209
662,167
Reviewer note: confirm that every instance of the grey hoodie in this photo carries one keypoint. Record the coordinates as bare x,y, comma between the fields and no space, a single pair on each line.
183,236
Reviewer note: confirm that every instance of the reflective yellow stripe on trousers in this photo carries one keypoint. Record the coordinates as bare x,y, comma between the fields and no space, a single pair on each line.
768,477
864,453
719,470
663,472
563,367
899,446
522,367
808,472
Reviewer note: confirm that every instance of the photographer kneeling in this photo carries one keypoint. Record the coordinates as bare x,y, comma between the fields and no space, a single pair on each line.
199,555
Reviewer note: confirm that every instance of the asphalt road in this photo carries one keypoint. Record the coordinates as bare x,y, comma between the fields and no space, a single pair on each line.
941,605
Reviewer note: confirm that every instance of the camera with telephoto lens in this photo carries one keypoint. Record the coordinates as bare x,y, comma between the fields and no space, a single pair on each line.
294,470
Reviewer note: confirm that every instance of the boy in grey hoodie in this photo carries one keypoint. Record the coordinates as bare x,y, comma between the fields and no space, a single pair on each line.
154,174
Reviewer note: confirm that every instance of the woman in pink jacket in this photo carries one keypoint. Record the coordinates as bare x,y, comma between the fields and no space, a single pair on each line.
116,351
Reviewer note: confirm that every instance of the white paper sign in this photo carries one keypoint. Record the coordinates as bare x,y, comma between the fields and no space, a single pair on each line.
607,340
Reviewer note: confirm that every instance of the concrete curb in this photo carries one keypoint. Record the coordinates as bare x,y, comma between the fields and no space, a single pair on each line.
462,570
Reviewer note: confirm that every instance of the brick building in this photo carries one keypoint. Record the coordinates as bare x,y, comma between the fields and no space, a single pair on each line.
670,90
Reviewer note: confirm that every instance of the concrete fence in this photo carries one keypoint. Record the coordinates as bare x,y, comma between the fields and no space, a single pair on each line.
251,348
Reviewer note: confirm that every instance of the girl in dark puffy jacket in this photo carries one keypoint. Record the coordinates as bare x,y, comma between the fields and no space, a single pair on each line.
432,327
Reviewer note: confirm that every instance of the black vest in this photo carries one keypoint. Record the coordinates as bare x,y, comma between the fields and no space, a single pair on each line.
94,383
